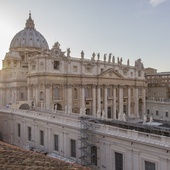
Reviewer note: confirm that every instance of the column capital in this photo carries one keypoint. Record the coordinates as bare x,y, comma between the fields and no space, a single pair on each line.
48,85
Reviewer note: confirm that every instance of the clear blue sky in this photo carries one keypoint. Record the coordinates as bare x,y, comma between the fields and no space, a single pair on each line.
130,29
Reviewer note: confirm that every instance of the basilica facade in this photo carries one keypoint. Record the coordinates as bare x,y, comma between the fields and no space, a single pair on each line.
34,76
86,109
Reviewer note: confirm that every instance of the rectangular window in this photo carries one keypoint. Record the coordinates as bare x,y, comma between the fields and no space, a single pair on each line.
33,67
149,166
94,155
41,137
73,148
56,142
118,161
29,133
148,111
74,68
157,113
19,130
166,114
56,65
139,73
109,112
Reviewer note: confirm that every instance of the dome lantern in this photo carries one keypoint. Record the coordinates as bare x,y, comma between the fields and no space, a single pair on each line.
29,22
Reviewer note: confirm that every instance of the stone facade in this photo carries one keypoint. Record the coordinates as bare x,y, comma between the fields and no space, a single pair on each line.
53,80
46,91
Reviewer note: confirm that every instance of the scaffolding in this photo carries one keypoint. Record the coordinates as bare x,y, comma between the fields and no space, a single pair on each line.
87,139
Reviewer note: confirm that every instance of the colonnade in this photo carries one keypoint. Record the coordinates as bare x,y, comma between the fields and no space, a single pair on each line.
118,100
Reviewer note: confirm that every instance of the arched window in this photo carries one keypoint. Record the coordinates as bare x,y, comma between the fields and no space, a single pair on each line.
56,93
41,96
75,93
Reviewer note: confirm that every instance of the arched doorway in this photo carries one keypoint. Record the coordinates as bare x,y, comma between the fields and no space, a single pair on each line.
59,107
24,107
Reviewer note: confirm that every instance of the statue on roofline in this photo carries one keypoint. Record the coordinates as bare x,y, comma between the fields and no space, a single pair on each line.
68,52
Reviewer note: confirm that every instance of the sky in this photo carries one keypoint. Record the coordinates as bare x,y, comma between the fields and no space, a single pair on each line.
130,29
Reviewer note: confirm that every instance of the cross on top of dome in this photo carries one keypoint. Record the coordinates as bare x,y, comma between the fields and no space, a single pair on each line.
29,22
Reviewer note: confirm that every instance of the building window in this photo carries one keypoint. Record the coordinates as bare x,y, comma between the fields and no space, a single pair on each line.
19,130
118,161
148,111
41,65
109,92
109,112
101,92
29,133
94,155
56,65
75,93
157,113
22,96
73,148
56,94
131,73
87,92
139,73
166,114
56,142
102,70
149,166
41,137
74,68
41,96
33,67
88,112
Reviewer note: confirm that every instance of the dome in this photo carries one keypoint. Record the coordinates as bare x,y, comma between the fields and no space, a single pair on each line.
13,54
28,38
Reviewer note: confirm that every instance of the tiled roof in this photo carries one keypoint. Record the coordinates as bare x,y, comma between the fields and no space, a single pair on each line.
15,158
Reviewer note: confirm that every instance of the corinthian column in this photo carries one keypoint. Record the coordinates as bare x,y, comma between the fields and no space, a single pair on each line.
98,99
47,95
120,100
82,97
94,100
37,95
29,93
69,97
136,100
144,105
105,100
129,101
114,102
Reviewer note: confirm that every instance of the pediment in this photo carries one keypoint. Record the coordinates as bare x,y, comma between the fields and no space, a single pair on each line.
110,73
